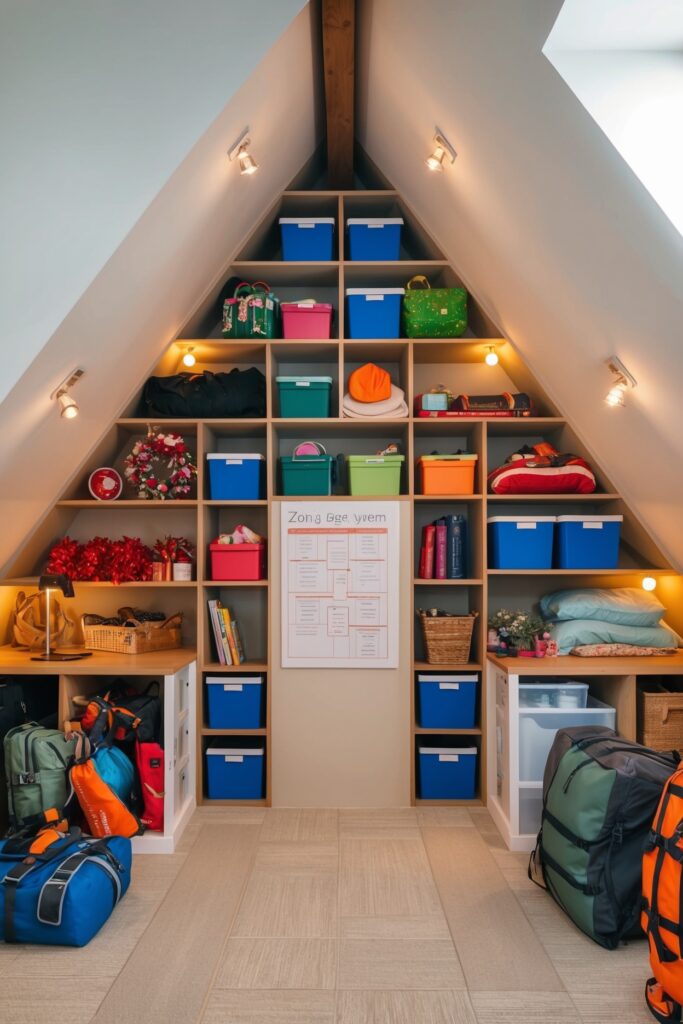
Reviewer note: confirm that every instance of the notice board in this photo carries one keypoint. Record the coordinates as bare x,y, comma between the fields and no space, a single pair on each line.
340,581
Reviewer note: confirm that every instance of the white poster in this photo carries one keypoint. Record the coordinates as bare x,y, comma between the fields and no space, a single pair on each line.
340,584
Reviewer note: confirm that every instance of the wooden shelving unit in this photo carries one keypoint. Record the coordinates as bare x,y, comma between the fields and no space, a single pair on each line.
416,365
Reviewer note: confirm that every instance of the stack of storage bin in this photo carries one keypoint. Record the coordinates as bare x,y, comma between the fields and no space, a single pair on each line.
560,542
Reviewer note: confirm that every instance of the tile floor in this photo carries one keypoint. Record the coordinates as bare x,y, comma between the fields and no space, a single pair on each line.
408,916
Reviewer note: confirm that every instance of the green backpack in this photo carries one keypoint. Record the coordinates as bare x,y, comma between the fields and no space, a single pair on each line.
36,766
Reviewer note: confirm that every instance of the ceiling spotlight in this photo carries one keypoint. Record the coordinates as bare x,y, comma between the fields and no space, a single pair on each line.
189,359
240,151
68,408
491,357
442,152
648,583
623,382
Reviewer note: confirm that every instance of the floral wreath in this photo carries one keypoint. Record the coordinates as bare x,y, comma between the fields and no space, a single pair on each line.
144,466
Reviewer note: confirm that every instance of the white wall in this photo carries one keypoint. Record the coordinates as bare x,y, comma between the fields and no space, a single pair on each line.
147,289
547,224
99,104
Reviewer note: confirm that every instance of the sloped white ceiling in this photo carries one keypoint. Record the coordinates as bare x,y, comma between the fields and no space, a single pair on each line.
146,290
99,104
547,224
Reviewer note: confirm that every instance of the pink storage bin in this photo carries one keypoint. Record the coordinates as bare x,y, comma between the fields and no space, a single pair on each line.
306,319
238,561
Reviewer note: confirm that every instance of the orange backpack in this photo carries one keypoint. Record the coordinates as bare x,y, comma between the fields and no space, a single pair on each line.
661,914
104,811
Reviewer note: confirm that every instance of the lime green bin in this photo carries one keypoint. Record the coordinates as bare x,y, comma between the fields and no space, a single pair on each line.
375,474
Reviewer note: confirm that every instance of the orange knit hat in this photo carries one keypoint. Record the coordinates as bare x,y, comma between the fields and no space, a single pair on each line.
370,383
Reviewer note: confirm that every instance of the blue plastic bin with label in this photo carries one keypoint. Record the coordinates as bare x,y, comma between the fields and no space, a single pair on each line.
306,238
447,701
447,773
374,238
234,773
235,702
374,312
521,542
588,542
236,476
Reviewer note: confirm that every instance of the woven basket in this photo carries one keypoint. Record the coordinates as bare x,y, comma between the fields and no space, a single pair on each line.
447,638
660,717
143,638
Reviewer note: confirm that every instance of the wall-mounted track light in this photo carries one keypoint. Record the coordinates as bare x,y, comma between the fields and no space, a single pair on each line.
68,408
623,382
442,153
240,151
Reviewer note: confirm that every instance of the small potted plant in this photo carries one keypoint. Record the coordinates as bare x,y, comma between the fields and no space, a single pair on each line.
525,629
499,624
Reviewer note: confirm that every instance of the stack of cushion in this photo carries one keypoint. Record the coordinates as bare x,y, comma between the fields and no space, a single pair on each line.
371,395
626,616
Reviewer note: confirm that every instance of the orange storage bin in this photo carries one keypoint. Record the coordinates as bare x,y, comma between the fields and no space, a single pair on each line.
446,474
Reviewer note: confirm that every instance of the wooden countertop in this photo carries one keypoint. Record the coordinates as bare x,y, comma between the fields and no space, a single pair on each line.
568,664
166,663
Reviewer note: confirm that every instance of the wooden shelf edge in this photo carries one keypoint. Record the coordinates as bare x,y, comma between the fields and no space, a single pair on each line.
208,802
234,732
419,731
419,582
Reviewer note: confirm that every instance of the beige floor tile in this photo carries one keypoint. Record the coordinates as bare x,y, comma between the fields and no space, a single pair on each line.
302,857
627,1008
404,1008
28,1000
209,815
381,823
186,935
386,877
399,964
278,964
524,1008
256,1007
282,903
283,825
497,946
426,926
444,817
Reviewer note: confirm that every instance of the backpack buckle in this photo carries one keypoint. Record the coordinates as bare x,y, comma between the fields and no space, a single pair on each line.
26,778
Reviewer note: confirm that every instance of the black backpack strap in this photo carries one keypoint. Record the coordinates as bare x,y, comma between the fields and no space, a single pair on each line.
16,874
53,892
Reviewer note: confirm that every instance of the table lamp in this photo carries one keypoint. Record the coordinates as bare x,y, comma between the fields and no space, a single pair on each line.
49,583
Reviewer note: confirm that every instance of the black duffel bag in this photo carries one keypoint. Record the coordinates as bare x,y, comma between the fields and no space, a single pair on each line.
240,393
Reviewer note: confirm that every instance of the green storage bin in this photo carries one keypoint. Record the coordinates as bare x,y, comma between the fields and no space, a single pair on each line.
306,474
304,397
375,474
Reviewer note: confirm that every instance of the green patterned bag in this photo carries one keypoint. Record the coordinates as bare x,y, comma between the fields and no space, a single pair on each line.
252,312
433,312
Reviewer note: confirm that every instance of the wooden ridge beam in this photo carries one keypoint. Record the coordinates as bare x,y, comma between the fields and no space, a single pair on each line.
338,25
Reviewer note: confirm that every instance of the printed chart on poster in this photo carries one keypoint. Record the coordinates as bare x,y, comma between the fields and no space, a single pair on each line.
340,584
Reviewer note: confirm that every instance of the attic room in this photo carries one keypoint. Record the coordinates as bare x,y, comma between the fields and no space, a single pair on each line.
341,606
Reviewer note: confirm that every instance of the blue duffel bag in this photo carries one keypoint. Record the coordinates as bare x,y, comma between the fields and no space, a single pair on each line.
59,889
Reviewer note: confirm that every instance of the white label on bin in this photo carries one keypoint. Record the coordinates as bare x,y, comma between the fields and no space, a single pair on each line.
305,225
232,687
233,759
234,462
374,298
303,383
449,757
373,227
592,526
369,461
449,686
525,526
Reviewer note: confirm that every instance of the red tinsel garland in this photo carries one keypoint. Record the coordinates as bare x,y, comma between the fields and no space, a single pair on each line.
102,560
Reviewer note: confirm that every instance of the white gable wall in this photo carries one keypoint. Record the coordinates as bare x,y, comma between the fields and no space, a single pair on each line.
561,242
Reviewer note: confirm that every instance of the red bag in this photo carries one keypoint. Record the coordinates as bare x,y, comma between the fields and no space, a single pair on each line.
149,758
542,470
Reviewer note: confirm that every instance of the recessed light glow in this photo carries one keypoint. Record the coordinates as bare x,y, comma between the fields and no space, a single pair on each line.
648,583
189,359
491,357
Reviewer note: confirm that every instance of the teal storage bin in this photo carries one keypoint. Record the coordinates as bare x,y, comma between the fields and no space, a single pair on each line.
304,397
375,474
306,475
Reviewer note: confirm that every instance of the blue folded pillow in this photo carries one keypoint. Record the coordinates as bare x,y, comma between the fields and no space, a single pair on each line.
577,632
624,606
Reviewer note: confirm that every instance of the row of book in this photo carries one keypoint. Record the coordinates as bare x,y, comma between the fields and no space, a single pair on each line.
443,551
226,634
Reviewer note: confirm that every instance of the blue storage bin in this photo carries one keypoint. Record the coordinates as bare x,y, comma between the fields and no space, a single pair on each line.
521,542
235,702
588,542
236,476
447,773
374,238
306,238
374,312
234,773
446,701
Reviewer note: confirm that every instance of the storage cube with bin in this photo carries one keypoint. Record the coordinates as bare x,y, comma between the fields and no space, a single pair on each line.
446,773
375,474
374,238
446,474
235,702
306,319
304,397
447,701
521,542
238,476
238,561
235,771
307,239
374,312
306,475
587,542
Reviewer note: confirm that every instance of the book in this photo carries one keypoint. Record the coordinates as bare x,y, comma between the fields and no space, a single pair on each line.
217,636
474,414
229,638
456,547
423,554
440,549
223,633
429,544
237,637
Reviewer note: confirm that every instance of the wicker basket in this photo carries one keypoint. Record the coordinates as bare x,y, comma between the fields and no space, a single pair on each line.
447,638
143,638
660,716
